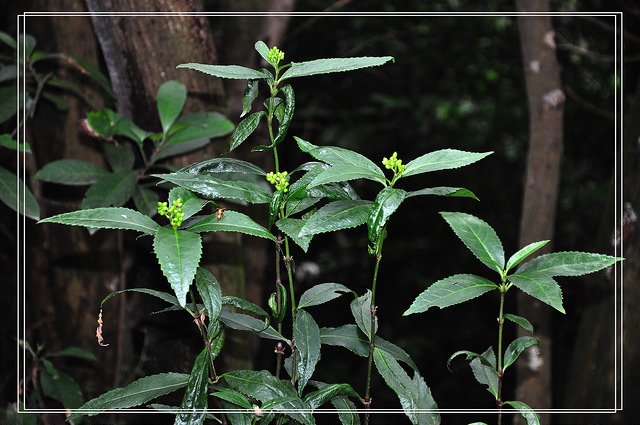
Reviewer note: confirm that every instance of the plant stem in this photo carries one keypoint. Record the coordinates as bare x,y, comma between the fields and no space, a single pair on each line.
292,296
500,370
279,306
204,334
372,308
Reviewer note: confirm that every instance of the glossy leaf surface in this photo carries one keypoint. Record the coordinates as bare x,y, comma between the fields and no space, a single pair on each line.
326,66
71,172
178,252
479,237
306,334
445,159
337,215
321,293
451,291
107,218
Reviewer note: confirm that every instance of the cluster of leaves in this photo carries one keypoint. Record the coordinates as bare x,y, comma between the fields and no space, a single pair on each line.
49,381
25,62
132,152
535,277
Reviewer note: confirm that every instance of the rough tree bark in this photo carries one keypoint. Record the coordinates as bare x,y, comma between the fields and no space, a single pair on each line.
546,101
595,351
62,290
141,52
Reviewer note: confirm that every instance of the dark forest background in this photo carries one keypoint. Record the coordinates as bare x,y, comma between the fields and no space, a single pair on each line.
457,82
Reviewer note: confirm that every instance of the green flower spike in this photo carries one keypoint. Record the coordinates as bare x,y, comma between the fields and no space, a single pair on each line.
275,56
280,180
394,164
173,213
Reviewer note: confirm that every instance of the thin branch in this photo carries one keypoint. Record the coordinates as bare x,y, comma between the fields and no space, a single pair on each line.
313,20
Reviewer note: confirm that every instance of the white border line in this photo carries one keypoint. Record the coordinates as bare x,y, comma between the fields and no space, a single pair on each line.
617,216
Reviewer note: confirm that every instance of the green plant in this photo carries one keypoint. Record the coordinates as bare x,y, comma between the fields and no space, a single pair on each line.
133,153
38,85
47,382
535,277
310,199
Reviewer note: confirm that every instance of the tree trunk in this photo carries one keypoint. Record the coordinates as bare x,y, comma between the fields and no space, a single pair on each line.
595,350
546,105
62,291
142,52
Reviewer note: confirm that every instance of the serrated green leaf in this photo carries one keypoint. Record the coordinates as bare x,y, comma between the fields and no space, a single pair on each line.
386,203
455,192
516,348
171,98
134,394
445,159
337,215
351,338
198,126
112,190
264,387
343,173
119,157
195,396
60,386
12,193
486,374
210,185
326,66
245,128
306,335
226,71
321,293
106,218
567,264
178,252
479,237
519,320
146,201
343,405
223,165
243,322
451,291
413,394
361,310
231,221
7,141
317,398
233,397
71,172
541,287
348,164
75,352
249,95
523,253
292,227
527,412
210,292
